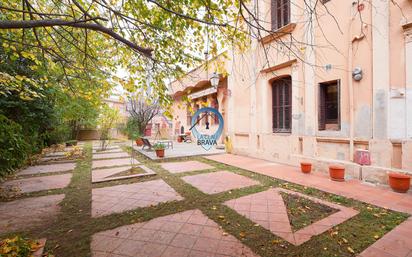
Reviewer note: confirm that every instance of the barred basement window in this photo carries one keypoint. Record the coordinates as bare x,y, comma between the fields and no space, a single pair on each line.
282,105
280,13
329,105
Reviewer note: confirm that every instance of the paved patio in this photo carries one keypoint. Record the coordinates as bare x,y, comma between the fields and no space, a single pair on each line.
116,199
110,155
181,167
268,210
28,212
190,232
113,162
220,181
396,243
180,150
185,234
34,184
47,168
109,174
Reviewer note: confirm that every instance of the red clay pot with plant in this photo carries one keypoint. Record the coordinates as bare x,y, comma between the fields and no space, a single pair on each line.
139,142
399,182
160,153
306,167
179,139
337,173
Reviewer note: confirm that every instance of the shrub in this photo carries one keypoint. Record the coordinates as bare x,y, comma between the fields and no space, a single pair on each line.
13,146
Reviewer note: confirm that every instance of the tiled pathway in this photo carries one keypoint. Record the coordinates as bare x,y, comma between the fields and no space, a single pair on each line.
379,196
112,162
49,168
108,174
116,199
383,197
110,155
268,209
28,212
185,234
27,185
220,181
113,150
180,167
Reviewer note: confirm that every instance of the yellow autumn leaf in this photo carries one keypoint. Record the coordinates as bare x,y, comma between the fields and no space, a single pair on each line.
350,250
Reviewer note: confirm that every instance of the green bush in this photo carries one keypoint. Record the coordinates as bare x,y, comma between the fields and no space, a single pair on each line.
13,146
131,128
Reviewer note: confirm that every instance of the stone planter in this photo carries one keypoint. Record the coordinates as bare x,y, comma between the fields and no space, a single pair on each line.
399,182
306,167
160,153
337,173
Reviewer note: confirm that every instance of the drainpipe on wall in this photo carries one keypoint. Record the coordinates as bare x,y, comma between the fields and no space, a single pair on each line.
350,84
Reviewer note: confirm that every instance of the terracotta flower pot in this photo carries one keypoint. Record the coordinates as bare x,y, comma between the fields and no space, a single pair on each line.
337,173
139,142
160,153
306,167
179,139
399,182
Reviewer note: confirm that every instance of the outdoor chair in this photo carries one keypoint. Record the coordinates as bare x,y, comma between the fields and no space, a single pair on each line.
146,143
149,145
187,138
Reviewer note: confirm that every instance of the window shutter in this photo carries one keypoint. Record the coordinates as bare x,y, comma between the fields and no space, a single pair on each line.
339,122
288,105
273,14
286,12
322,108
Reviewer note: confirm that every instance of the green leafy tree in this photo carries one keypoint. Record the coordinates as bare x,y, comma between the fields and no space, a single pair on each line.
159,39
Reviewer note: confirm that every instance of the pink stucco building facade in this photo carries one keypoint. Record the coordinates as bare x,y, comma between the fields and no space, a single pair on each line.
330,78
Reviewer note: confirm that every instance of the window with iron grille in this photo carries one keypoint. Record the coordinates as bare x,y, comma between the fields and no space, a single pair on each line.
280,13
329,105
282,105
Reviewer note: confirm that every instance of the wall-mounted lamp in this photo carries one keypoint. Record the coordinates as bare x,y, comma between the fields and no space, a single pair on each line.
214,79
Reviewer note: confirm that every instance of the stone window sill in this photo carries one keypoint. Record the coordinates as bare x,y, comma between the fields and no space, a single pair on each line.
285,30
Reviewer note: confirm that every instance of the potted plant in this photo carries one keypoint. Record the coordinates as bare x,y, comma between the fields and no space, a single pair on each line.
138,138
179,139
306,167
160,149
337,173
399,182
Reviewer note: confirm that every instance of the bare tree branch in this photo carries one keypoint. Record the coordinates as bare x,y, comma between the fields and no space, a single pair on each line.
13,24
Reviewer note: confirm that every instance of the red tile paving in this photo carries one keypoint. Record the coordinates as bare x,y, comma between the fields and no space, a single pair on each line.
180,167
117,199
113,162
379,196
216,182
185,234
268,210
102,175
28,212
110,155
34,184
39,169
114,150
